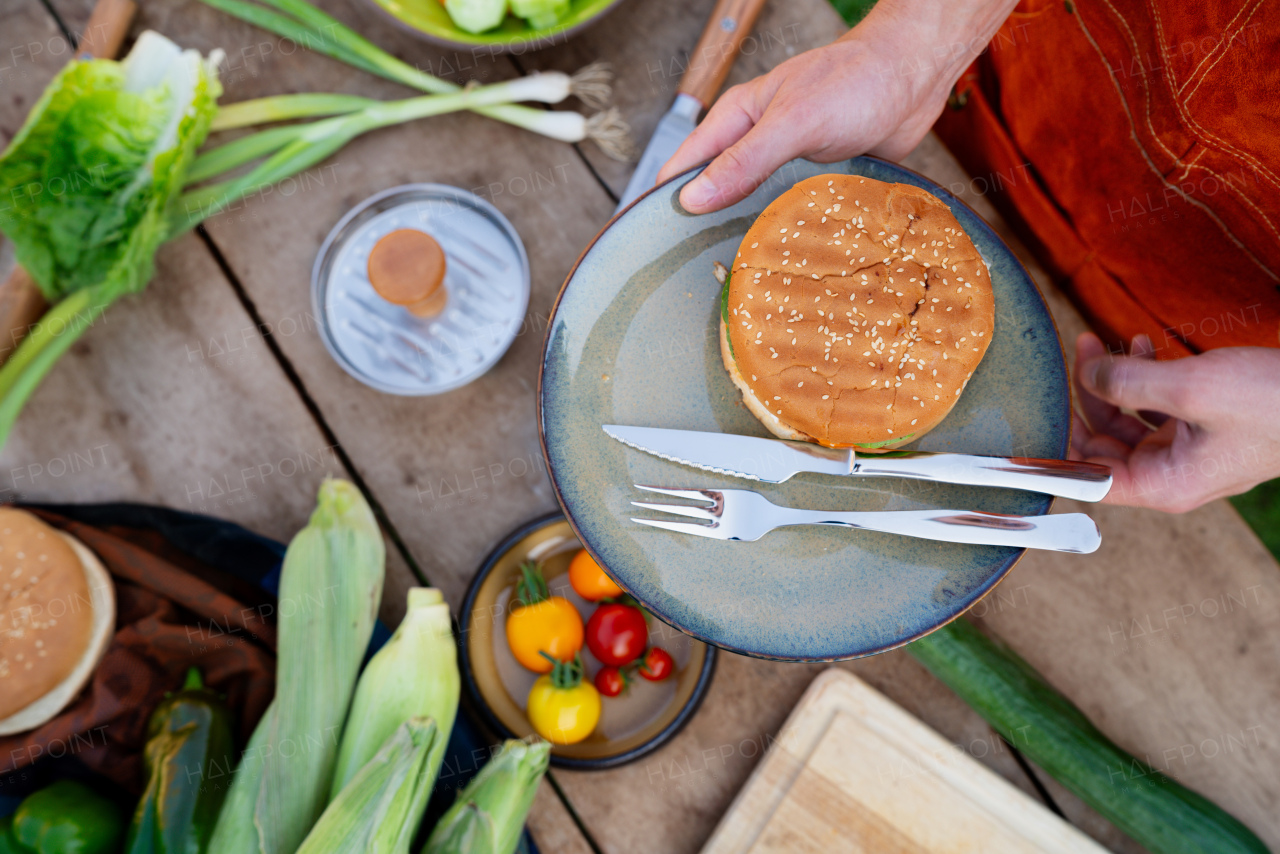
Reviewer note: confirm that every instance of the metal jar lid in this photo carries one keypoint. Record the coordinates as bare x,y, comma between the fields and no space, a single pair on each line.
384,345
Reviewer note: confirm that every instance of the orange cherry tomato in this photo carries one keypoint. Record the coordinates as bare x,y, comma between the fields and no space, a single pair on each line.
591,582
542,623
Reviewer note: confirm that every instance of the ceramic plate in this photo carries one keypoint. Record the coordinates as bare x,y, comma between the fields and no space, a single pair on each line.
633,340
429,20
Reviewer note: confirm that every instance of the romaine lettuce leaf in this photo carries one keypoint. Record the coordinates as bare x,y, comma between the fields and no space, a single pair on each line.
86,188
86,184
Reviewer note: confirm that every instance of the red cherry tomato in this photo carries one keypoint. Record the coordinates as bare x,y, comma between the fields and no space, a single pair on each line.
657,664
617,634
611,681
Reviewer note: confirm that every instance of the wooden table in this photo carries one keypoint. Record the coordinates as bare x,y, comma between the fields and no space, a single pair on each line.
213,393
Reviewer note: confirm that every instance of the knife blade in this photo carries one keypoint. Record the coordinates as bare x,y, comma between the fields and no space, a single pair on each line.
730,22
777,460
673,128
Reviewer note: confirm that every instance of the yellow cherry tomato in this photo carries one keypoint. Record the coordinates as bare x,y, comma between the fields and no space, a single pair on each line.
542,623
591,582
563,708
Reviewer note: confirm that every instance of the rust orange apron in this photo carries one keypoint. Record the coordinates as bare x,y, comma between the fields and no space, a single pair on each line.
1135,144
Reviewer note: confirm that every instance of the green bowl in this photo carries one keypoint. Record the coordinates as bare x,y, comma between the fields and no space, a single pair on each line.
429,20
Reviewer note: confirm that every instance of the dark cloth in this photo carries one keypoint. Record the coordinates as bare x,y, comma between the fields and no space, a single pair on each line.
174,611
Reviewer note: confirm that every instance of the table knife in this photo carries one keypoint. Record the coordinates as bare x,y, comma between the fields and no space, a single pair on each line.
709,65
776,460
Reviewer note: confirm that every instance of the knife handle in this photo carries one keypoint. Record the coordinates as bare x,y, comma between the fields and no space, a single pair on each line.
108,25
709,65
1066,478
1064,532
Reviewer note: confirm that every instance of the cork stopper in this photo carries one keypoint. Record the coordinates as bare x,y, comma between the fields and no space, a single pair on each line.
407,268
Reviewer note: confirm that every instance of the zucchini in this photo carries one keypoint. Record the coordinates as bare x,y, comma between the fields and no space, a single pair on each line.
1161,814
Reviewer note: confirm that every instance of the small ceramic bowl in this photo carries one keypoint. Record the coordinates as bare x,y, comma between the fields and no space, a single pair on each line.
645,716
428,20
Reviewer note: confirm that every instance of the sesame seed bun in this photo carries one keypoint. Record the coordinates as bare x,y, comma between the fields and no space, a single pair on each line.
57,621
856,313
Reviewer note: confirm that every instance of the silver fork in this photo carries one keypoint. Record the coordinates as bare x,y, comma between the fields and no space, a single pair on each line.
740,514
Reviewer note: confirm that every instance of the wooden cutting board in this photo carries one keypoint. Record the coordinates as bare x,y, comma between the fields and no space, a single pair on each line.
852,772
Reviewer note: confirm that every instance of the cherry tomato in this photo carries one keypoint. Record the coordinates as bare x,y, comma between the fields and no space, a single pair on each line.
542,623
562,708
657,664
611,681
617,633
591,582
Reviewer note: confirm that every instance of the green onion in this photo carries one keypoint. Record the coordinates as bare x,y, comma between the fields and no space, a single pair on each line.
41,349
293,149
308,26
278,108
224,158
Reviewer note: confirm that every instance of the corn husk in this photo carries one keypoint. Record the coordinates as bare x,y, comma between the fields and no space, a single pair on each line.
378,811
414,674
488,817
330,589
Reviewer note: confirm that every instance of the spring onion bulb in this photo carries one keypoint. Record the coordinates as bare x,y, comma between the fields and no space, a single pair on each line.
308,26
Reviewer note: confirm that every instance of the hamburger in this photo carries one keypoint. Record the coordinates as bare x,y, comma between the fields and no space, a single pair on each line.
57,620
855,313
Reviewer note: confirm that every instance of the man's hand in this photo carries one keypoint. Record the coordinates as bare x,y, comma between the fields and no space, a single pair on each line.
877,89
1209,426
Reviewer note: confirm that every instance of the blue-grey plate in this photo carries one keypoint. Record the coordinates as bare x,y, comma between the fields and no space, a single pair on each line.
633,340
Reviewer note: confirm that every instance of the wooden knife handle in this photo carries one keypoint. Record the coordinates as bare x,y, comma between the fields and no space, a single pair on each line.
21,302
107,27
21,306
730,23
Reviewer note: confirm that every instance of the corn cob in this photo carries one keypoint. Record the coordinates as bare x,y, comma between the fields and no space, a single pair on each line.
378,811
330,589
488,817
235,832
416,673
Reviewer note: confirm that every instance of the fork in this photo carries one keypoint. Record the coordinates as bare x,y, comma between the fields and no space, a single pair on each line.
740,514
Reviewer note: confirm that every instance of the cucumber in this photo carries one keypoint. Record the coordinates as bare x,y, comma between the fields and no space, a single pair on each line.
476,16
1161,814
540,13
